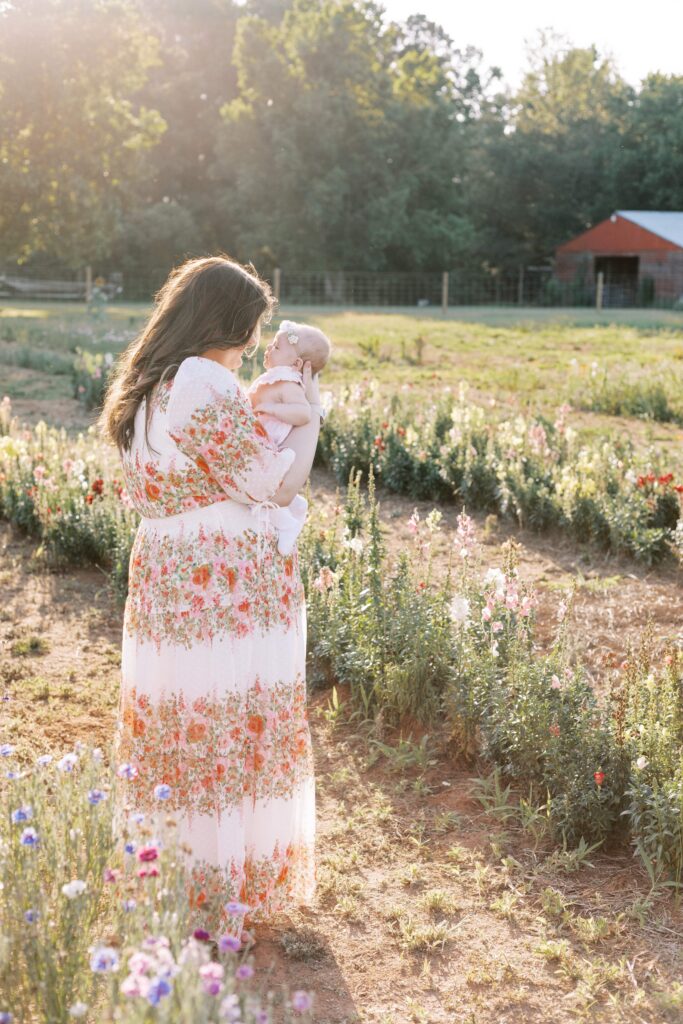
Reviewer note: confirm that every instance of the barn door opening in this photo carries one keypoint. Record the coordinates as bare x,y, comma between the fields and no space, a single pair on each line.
620,277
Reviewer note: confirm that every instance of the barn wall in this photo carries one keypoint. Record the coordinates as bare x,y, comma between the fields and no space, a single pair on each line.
667,272
665,268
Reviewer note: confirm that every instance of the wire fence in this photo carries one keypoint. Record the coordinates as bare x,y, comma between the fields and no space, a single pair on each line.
521,286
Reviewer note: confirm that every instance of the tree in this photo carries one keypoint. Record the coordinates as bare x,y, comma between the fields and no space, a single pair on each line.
549,161
349,135
72,136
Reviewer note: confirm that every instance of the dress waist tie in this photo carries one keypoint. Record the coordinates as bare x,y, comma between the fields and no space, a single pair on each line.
261,511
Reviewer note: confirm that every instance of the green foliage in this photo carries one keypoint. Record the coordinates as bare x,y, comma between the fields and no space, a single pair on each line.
90,373
72,128
532,470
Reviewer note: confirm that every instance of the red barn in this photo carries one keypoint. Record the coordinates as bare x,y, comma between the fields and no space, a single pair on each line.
639,252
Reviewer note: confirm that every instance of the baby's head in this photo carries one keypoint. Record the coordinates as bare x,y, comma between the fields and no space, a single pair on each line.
294,344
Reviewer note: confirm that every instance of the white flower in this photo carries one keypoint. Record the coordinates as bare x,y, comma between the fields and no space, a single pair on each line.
67,763
497,578
642,762
74,888
355,544
459,609
78,1010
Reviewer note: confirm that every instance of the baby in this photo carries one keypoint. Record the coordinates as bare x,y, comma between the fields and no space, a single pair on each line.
277,397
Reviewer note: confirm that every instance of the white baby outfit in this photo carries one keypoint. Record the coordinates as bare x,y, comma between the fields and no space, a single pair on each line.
288,520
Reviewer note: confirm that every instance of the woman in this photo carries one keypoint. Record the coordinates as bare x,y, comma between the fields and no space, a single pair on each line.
212,713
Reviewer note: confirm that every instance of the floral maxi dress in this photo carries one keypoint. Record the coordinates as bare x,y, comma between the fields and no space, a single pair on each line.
213,694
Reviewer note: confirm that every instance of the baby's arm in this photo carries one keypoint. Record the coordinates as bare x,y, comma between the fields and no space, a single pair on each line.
286,401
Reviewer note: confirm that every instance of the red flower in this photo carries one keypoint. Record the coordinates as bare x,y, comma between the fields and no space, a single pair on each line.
147,853
599,778
666,479
89,498
97,486
554,729
678,488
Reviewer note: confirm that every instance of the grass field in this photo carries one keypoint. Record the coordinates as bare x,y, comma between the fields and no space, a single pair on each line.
534,359
533,354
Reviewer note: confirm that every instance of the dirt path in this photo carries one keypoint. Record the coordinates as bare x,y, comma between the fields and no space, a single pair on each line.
428,910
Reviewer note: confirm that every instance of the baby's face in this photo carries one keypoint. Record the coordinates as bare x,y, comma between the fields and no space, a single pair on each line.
280,352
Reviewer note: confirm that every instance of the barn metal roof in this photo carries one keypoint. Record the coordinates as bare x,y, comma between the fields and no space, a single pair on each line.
666,225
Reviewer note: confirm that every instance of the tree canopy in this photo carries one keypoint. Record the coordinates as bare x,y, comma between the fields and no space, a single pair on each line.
310,134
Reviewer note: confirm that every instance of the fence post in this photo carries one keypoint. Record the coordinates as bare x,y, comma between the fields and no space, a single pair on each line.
444,292
599,291
88,283
520,286
277,281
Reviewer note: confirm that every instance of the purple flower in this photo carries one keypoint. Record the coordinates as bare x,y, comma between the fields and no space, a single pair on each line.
44,759
137,818
127,771
6,749
235,907
130,905
244,971
104,959
130,848
6,1017
162,791
12,775
22,814
262,1017
159,988
229,942
301,1001
201,935
96,796
31,916
29,837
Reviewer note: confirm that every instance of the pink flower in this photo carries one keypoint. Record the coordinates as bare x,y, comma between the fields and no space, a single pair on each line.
486,614
555,683
497,627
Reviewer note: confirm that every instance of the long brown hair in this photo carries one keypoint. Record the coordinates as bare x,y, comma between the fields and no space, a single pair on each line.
214,302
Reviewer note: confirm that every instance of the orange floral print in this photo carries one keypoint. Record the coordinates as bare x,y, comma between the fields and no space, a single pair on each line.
186,590
256,744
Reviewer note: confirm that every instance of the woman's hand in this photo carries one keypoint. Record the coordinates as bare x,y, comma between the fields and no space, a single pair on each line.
311,384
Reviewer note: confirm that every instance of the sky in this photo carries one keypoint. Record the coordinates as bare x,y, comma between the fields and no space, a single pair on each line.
648,39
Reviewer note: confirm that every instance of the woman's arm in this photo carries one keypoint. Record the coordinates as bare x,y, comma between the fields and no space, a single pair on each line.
303,440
